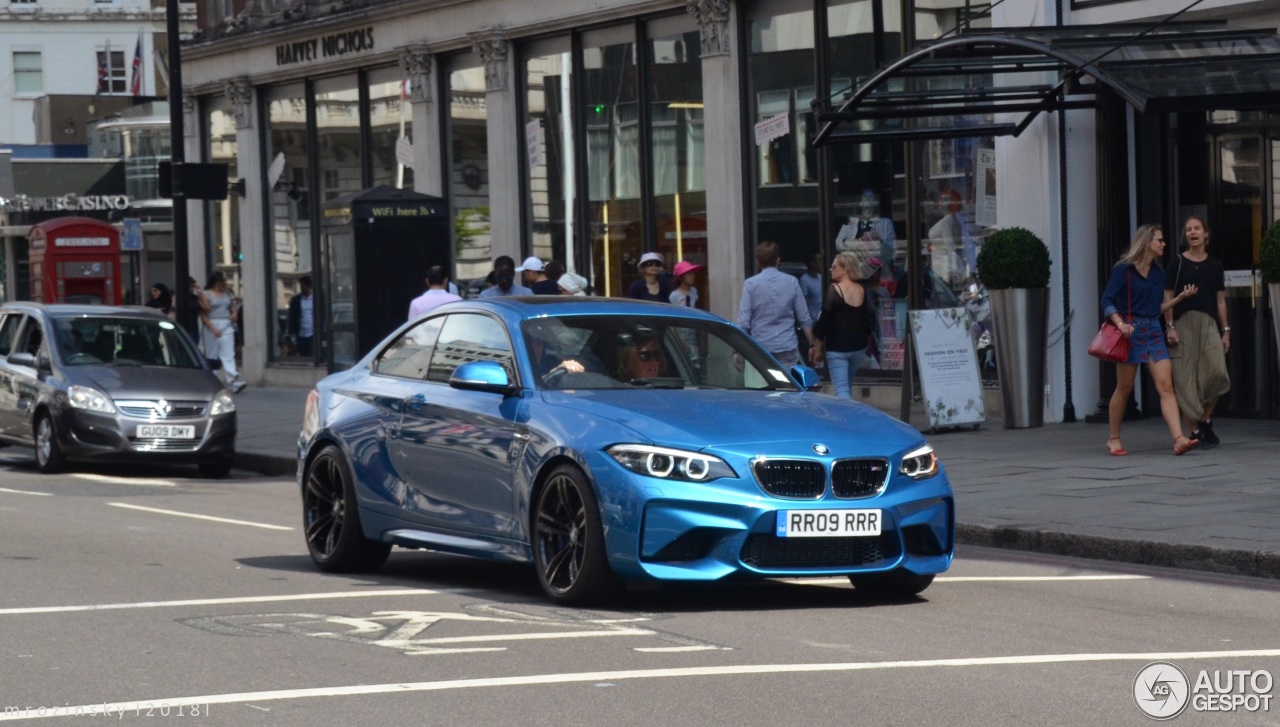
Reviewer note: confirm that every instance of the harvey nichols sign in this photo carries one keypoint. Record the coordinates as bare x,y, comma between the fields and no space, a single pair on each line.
333,45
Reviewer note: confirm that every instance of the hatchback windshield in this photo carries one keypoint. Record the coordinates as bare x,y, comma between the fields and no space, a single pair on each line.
620,352
99,340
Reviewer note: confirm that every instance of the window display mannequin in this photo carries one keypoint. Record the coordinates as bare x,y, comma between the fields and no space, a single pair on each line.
869,234
947,237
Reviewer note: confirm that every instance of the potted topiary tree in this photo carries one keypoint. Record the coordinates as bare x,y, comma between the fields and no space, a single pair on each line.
1014,265
1269,261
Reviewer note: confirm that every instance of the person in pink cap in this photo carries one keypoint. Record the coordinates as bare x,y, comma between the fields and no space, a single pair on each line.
685,294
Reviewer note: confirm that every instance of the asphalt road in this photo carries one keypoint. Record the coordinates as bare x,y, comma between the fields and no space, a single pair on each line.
145,593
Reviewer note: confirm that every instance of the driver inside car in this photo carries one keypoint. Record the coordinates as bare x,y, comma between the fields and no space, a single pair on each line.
549,343
643,360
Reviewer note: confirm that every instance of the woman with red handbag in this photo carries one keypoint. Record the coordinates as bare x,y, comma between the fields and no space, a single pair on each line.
1137,283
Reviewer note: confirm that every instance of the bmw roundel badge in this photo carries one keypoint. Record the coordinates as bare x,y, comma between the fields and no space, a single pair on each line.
821,449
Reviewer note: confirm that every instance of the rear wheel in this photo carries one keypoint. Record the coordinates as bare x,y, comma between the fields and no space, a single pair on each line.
331,518
894,585
568,540
49,457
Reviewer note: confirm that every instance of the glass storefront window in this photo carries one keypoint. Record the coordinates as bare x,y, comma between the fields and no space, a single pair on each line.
676,141
390,120
469,167
611,104
549,147
288,210
780,78
337,102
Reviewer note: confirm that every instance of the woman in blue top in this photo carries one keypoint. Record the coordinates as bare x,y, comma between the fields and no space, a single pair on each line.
1134,300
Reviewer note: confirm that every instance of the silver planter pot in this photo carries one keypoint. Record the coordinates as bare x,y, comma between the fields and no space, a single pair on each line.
1020,320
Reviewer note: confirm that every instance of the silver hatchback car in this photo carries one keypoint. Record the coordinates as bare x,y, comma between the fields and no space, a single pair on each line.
120,384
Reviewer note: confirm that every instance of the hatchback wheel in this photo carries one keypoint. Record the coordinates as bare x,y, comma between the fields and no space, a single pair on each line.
49,457
331,518
894,585
568,540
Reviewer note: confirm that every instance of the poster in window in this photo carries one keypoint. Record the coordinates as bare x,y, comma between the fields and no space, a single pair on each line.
944,159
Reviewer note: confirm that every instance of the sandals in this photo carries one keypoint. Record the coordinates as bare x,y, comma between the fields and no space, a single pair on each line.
1118,451
1182,444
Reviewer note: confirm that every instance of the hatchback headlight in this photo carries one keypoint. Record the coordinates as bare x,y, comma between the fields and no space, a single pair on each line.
222,404
670,464
90,399
920,463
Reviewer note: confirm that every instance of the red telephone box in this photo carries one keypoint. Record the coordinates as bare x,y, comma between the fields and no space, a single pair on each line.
74,260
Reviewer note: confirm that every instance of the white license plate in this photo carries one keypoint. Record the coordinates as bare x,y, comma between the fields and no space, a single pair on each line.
828,523
166,431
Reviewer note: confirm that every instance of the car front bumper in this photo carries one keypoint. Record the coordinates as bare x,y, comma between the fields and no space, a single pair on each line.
85,435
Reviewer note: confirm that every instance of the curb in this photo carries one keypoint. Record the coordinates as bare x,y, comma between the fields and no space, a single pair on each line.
1141,552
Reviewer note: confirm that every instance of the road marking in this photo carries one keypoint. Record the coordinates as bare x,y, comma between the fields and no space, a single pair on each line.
199,517
398,643
673,649
220,601
123,480
609,676
833,580
24,492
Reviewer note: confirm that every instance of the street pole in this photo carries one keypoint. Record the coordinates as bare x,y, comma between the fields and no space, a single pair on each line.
177,140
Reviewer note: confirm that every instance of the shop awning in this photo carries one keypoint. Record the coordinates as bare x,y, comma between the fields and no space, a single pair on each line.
995,83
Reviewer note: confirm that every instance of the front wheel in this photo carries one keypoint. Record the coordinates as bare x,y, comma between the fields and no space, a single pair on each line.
895,585
331,518
49,457
568,540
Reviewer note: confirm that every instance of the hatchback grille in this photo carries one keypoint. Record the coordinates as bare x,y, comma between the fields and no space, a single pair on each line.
858,477
791,477
155,410
767,551
165,445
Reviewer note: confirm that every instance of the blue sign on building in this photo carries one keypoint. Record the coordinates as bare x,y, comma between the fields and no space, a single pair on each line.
131,240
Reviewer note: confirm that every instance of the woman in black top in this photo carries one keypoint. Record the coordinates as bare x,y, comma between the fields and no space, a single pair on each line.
161,298
1199,336
844,325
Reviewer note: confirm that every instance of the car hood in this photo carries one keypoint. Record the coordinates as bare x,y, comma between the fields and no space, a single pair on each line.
147,382
747,421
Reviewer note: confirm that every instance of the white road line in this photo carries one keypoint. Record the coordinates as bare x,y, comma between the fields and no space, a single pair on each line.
123,480
405,643
220,601
673,649
24,492
840,580
198,517
610,676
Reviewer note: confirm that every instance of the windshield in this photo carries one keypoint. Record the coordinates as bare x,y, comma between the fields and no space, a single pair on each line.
99,340
625,352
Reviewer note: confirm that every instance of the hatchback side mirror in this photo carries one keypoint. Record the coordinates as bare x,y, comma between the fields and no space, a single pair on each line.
22,358
482,376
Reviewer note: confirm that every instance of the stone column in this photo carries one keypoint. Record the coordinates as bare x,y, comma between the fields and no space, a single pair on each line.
726,173
428,137
197,227
251,167
503,174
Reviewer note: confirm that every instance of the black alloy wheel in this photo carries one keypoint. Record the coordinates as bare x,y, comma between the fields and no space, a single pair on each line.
568,540
49,457
895,585
331,519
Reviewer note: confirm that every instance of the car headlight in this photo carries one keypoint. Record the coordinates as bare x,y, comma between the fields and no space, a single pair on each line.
920,463
670,464
84,397
222,404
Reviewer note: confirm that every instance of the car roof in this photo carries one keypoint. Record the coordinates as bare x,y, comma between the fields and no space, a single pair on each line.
534,306
71,310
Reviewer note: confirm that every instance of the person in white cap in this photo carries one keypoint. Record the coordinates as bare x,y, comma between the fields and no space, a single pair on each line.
652,286
535,277
572,284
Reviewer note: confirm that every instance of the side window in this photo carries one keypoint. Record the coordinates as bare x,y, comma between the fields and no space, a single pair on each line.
7,331
468,337
33,337
409,356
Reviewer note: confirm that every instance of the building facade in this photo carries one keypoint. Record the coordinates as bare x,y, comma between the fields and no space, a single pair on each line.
593,132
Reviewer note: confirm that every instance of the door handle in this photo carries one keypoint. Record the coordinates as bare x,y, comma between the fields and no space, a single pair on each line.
417,401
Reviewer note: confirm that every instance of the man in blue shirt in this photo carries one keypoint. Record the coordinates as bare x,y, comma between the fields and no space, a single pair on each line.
504,273
772,304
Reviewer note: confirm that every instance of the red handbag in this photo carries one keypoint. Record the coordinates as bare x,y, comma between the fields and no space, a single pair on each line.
1110,344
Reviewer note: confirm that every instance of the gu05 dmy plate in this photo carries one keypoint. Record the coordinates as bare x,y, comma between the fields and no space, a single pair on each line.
828,523
166,431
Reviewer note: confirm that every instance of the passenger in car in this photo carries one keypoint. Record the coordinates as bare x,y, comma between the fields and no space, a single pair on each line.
644,359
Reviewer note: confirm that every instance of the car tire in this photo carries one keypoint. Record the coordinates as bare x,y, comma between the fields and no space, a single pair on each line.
568,541
49,456
331,518
215,470
894,585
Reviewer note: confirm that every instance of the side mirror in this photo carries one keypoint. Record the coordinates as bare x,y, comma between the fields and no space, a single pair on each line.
22,358
481,376
807,377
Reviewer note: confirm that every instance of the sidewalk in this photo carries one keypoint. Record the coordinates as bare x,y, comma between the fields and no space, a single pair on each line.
1051,490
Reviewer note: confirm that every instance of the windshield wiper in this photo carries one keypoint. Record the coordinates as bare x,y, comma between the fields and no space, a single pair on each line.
659,382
